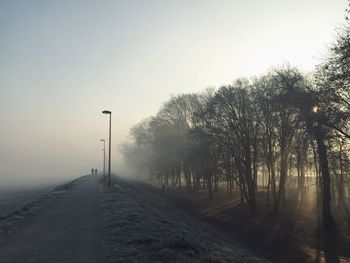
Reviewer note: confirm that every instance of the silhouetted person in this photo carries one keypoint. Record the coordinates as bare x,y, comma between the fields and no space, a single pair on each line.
96,171
92,171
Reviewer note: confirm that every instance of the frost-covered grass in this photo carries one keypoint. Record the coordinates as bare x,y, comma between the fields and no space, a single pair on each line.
138,228
10,222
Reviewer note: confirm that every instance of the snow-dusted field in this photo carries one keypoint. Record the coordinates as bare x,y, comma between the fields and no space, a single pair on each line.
12,200
17,209
138,228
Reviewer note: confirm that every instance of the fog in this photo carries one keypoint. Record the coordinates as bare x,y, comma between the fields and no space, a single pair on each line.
62,63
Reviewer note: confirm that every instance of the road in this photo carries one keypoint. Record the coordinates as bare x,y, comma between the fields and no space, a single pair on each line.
69,231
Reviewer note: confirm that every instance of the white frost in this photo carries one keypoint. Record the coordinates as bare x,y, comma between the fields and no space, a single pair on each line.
138,229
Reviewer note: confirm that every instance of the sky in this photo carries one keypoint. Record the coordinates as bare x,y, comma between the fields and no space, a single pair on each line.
63,62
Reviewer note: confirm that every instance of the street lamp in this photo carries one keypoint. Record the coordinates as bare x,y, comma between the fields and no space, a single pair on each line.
109,148
104,158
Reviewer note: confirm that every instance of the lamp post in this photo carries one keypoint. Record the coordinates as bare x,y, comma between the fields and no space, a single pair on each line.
104,158
109,147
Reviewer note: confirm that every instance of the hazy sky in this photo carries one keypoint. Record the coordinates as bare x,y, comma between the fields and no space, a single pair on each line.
63,62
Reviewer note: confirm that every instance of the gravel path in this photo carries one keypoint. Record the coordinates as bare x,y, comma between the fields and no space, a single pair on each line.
66,232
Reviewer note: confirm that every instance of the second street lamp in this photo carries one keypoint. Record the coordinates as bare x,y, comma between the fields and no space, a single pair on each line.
104,158
109,146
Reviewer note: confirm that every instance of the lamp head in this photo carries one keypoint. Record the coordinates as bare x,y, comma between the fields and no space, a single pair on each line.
106,112
102,140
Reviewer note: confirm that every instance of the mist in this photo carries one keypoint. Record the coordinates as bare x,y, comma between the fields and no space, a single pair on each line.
126,126
63,63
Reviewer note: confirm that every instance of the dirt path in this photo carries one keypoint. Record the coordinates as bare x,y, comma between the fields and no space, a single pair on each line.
67,232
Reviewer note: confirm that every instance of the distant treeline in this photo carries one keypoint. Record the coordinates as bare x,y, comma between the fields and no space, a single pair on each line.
256,132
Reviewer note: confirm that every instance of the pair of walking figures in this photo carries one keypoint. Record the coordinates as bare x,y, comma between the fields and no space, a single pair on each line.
93,171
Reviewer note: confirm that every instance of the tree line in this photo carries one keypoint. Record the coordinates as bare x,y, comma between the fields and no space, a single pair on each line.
257,134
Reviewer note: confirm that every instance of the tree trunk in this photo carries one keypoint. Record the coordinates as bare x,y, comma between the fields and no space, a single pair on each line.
328,219
210,186
179,174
